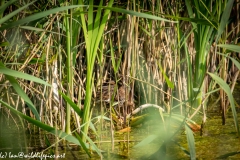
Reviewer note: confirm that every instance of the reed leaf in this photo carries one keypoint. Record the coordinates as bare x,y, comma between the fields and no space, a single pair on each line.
115,63
38,16
38,29
10,15
203,38
232,47
72,104
224,19
235,62
195,21
5,5
82,144
92,36
6,71
146,141
169,83
43,126
23,95
10,74
94,147
227,90
54,131
139,14
191,142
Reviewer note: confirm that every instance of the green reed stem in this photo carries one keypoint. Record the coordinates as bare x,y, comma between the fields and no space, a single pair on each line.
69,73
93,32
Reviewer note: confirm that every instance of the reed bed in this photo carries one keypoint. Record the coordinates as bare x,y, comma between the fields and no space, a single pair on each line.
174,54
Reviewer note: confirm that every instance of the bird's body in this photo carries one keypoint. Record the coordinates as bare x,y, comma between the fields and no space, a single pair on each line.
117,94
109,90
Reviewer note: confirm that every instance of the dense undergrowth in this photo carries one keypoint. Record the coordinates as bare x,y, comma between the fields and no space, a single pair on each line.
59,60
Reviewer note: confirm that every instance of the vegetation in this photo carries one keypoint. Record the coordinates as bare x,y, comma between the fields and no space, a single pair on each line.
70,67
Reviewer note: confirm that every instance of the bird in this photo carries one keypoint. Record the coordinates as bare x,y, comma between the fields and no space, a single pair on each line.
117,94
121,95
108,90
105,94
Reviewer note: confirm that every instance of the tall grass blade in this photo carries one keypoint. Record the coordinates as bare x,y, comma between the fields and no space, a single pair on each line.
38,16
232,47
138,14
191,142
10,15
20,91
92,144
227,90
38,29
5,5
146,141
115,63
6,71
23,95
82,144
169,83
225,18
235,62
43,126
92,46
72,104
190,11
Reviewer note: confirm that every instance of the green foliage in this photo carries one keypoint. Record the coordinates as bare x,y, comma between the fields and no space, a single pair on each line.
226,88
224,18
146,141
10,15
10,74
115,64
83,24
72,104
93,32
234,48
6,71
36,16
43,126
191,142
